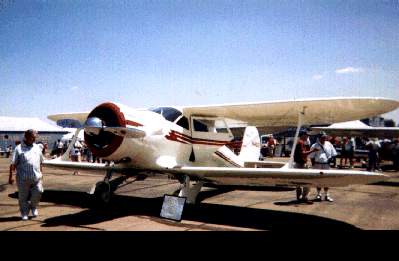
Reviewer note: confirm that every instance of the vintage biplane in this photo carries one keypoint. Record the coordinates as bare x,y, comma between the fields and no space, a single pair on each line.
192,143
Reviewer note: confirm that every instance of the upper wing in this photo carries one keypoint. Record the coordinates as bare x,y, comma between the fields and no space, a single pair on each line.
285,113
79,116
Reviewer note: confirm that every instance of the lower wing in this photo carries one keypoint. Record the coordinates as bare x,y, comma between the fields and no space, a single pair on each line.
279,176
240,176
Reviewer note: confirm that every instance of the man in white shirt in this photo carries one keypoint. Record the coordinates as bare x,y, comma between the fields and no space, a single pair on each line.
320,158
27,160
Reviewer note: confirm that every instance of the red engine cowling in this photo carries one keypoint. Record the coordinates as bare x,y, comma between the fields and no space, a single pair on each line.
105,143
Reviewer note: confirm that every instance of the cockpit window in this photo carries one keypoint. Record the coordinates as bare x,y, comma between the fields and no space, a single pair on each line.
170,114
183,122
213,125
200,126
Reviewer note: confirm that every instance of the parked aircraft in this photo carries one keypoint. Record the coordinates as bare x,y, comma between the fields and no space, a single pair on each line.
192,143
359,129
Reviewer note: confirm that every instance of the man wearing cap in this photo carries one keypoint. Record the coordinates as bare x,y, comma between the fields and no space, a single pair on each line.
27,159
300,162
320,159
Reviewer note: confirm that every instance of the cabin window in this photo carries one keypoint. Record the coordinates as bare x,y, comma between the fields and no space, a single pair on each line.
200,126
170,114
183,122
210,125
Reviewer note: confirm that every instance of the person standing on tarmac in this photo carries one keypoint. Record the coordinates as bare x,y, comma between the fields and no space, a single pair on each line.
27,160
321,160
373,145
300,162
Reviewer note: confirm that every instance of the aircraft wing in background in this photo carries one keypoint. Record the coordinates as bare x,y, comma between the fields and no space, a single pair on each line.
358,129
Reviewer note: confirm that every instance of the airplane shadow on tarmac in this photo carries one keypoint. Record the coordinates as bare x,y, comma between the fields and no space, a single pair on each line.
121,206
387,183
9,219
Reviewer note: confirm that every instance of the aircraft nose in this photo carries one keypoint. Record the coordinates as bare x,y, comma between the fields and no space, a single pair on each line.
93,125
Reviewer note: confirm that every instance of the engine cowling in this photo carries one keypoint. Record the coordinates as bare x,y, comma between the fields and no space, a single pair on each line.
103,143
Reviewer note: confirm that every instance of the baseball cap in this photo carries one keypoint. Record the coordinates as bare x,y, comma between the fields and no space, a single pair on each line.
303,132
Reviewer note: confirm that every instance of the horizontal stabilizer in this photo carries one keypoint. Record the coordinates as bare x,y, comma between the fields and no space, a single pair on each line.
228,157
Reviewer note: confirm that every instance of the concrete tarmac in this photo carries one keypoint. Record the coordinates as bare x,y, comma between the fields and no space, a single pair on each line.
65,206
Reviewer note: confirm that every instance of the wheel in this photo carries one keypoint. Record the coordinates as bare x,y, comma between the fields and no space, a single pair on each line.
298,193
102,193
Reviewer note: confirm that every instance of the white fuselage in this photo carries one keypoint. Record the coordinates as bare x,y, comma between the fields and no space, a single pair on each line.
167,144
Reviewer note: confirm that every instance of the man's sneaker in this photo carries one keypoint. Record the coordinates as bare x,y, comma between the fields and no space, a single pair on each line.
329,199
24,217
318,198
35,213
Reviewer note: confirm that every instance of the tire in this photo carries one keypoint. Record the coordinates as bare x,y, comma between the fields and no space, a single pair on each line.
298,193
102,194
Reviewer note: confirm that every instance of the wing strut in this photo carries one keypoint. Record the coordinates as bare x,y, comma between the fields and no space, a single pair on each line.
65,156
301,115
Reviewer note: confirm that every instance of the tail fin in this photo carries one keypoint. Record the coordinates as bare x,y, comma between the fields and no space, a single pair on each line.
250,149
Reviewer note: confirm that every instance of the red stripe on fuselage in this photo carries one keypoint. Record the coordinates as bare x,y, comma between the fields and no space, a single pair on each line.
133,123
174,137
191,140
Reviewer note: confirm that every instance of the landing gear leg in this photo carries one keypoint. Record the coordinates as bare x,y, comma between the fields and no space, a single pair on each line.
190,192
102,190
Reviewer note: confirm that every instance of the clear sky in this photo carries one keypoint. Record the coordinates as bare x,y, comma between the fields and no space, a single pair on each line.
70,55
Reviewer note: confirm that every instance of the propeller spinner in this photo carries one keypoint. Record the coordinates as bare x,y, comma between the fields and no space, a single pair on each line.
93,126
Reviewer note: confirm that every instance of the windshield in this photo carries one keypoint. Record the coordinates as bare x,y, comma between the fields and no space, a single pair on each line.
170,114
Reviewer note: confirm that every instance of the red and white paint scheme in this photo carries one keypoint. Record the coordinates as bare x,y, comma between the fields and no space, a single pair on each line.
193,143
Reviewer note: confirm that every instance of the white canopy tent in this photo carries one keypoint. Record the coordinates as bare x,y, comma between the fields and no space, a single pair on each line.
349,125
